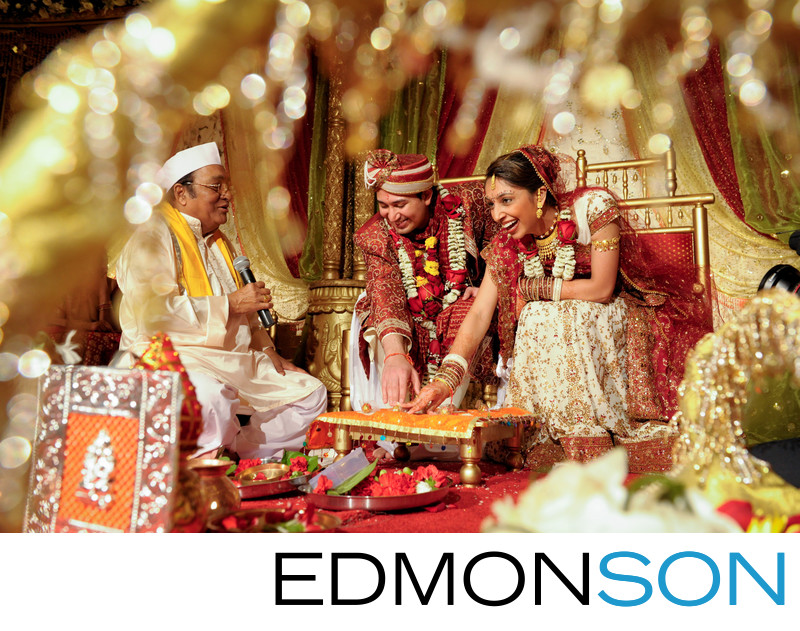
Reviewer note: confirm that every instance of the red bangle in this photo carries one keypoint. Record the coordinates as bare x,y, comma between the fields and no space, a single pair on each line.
406,355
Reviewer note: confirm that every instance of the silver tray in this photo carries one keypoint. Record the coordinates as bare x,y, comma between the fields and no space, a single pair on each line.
373,503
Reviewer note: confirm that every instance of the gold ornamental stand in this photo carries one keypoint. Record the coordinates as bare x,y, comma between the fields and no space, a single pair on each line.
347,203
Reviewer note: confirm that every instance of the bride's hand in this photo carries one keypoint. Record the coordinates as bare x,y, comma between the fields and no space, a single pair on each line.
429,398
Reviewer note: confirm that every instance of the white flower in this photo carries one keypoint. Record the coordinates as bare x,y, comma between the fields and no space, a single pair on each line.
67,350
592,497
533,267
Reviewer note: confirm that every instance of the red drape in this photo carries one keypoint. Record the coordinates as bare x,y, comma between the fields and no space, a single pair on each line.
704,95
296,172
448,164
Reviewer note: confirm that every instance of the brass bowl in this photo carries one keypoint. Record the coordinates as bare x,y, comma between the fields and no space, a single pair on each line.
272,471
272,520
208,464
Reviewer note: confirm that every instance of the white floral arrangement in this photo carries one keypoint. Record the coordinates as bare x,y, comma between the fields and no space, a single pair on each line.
407,272
532,266
456,255
592,497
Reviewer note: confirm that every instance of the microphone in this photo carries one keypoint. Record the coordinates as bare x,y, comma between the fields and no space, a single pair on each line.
242,265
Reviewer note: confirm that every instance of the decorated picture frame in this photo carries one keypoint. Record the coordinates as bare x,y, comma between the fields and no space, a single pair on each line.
105,454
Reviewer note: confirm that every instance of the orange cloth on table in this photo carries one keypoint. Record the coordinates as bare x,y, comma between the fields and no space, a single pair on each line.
460,424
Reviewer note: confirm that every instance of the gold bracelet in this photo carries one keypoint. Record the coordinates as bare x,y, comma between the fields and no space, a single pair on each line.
606,244
449,388
546,292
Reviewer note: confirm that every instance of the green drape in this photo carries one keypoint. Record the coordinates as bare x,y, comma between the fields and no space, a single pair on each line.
310,263
412,123
768,185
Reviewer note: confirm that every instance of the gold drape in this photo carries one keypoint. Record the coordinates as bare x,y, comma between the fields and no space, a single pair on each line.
261,227
517,117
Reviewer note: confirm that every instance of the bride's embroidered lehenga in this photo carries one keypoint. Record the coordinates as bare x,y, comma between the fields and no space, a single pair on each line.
585,369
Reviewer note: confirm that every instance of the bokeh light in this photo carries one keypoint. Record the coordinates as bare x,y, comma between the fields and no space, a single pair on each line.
278,200
64,99
137,210
150,192
509,38
34,363
8,366
161,43
14,452
659,143
434,13
103,101
631,99
739,64
610,11
22,409
298,14
381,38
138,25
753,92
106,54
254,87
564,123
759,22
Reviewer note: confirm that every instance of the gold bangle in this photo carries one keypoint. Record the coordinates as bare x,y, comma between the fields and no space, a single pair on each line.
449,387
606,244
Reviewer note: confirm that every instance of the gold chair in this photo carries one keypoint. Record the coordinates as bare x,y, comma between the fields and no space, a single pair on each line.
674,241
679,240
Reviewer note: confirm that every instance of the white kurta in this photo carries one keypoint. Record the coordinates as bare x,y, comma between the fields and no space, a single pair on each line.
211,343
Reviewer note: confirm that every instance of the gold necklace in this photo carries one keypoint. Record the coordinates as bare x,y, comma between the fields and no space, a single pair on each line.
549,231
546,243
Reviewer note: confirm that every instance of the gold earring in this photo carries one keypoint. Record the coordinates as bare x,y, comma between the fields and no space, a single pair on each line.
540,204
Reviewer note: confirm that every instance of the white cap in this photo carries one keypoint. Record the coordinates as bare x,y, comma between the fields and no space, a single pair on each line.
186,161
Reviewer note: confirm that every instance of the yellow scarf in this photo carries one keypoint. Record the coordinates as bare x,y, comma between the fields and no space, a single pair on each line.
192,273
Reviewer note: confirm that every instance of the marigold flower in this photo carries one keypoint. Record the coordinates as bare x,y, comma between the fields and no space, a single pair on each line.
432,268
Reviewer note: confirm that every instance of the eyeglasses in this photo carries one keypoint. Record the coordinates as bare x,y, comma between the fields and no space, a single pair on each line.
219,188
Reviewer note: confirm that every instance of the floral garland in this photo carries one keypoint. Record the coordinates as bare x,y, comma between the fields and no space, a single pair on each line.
426,289
564,265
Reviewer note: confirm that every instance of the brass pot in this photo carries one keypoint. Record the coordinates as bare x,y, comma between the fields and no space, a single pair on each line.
190,510
220,494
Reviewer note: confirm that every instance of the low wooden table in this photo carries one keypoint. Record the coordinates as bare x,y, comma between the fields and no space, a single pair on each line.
469,429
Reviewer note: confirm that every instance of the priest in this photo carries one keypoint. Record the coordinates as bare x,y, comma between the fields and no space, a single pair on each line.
176,276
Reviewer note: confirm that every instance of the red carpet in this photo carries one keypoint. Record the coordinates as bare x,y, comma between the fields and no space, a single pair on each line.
462,510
